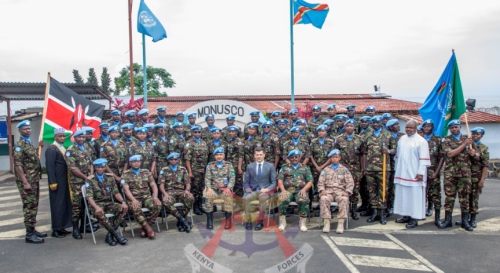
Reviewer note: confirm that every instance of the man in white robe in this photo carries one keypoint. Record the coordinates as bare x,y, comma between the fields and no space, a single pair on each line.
412,160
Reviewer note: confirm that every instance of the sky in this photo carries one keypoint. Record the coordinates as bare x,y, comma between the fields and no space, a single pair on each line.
224,47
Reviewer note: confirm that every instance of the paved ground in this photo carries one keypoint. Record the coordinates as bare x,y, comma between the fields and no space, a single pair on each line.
363,248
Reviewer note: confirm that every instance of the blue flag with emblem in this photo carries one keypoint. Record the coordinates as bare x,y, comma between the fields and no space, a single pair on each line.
148,24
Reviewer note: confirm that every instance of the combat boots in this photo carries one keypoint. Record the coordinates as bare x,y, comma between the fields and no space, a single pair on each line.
282,223
183,222
403,220
363,207
228,220
200,205
437,217
196,208
354,213
383,219
429,209
109,239
465,222
210,220
148,230
121,240
374,215
31,237
473,222
412,223
447,220
326,227
303,226
367,212
340,226
76,231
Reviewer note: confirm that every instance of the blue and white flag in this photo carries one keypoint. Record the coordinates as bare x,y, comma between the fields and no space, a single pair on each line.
148,24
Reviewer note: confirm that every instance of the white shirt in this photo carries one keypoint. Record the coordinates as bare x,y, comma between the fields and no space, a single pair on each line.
60,146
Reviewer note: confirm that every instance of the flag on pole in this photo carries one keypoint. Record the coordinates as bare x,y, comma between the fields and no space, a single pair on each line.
305,13
148,24
446,101
66,109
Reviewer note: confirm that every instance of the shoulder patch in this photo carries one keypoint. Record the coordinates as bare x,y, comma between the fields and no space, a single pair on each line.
154,143
442,140
102,149
322,173
161,172
68,154
187,144
17,149
87,185
171,141
122,181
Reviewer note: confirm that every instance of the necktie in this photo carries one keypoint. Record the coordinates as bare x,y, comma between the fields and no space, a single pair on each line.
259,172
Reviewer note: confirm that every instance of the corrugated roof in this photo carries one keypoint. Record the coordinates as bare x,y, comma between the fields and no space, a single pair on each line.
268,97
472,117
36,91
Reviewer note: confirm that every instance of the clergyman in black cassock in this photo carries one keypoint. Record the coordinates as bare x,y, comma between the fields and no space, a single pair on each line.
59,193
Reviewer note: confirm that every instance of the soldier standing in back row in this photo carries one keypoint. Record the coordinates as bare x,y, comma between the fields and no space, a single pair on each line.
115,152
162,113
225,131
187,127
316,120
479,168
235,154
116,119
270,143
28,173
104,136
145,150
161,146
394,129
275,116
254,116
215,143
284,136
206,133
127,136
253,140
177,142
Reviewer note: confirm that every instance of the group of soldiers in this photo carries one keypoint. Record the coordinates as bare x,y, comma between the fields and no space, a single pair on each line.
137,164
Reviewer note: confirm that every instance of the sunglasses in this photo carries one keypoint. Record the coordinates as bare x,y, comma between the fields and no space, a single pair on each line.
267,126
197,132
174,159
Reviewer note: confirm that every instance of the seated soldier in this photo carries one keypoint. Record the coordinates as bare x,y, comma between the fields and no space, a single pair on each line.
175,185
335,185
219,182
99,189
294,180
136,184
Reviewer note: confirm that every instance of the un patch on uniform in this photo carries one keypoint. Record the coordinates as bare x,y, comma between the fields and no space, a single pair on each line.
17,149
102,149
171,141
341,172
68,154
123,181
107,188
322,172
187,144
154,143
87,184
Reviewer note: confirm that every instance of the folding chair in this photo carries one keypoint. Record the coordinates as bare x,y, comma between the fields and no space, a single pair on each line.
295,204
177,205
87,215
271,199
335,204
144,210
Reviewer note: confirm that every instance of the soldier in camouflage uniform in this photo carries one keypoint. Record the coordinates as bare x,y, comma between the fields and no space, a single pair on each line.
175,186
296,143
370,112
115,152
219,182
304,133
434,171
332,111
339,122
294,180
294,117
177,142
479,168
385,118
98,142
79,161
393,128
350,146
191,124
284,136
254,116
143,117
366,129
331,126
378,144
130,115
206,133
196,159
28,173
235,153
215,143
335,185
89,144
127,136
253,140
161,146
136,183
364,126
420,130
351,115
275,116
316,120
116,119
457,151
162,113
270,143
150,134
146,150
225,131
99,189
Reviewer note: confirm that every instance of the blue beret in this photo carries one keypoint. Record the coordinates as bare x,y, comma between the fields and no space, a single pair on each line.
334,152
420,128
294,152
376,118
135,158
191,114
454,122
112,128
317,107
230,117
340,117
196,128
283,121
267,123
78,132
143,111
177,124
130,113
173,155
392,122
293,111
276,113
232,128
209,116
149,126
253,113
253,125
161,108
100,162
428,121
215,130
387,115
161,125
141,130
350,106
103,125
366,118
328,122
219,150
87,129
127,126
479,130
296,128
331,106
179,113
350,121
321,127
116,112
24,123
301,121
370,108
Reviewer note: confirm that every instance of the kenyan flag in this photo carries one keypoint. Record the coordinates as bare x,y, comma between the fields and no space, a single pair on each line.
66,109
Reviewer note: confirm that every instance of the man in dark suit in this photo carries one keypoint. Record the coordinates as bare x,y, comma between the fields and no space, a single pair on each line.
259,183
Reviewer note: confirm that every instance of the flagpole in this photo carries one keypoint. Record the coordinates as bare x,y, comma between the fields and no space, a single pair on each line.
40,138
130,49
144,70
291,51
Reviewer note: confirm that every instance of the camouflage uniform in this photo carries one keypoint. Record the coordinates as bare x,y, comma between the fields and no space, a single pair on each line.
457,173
335,182
207,135
218,178
112,123
477,171
26,157
307,136
176,145
302,146
139,187
187,132
212,147
235,151
319,152
116,156
313,124
175,184
76,159
368,131
147,152
363,187
245,130
350,152
271,147
89,146
292,124
98,142
162,153
157,120
127,142
197,154
101,193
283,139
374,166
249,146
293,181
390,185
434,185
227,138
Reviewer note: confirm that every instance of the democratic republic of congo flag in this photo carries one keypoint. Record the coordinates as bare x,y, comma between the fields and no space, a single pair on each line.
305,13
66,109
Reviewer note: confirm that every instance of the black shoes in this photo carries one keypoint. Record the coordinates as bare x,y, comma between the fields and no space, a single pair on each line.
374,215
405,219
31,237
76,231
412,223
184,223
383,219
390,211
180,227
259,226
366,212
447,220
248,226
196,208
57,234
363,207
354,213
437,217
473,222
117,237
210,220
40,234
109,239
465,222
429,209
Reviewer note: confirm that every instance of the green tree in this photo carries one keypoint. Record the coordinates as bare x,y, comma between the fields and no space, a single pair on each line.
92,79
117,90
106,81
156,78
78,78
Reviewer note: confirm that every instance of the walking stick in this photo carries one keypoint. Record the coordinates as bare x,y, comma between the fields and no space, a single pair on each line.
383,175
